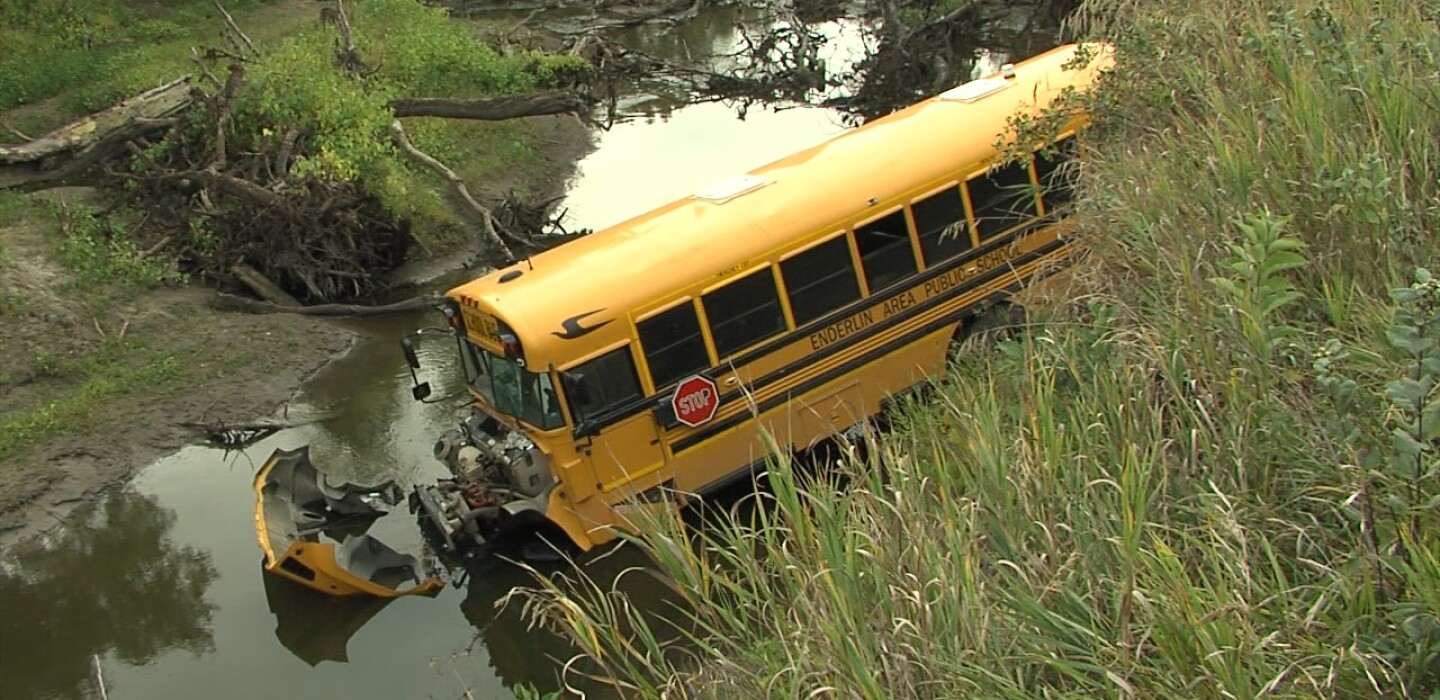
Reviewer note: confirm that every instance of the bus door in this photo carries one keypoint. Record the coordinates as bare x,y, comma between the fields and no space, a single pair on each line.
626,455
615,431
632,473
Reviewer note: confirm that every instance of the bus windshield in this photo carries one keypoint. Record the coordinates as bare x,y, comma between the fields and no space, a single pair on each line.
515,391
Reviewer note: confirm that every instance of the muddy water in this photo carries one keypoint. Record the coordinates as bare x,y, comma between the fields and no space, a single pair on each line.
158,588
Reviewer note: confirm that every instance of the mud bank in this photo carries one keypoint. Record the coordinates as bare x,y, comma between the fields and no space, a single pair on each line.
94,382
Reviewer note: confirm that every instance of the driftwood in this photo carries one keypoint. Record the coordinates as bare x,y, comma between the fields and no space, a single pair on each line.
85,142
487,221
263,287
244,434
220,425
230,302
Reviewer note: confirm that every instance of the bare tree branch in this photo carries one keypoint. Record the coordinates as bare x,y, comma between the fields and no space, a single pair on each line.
492,108
231,302
230,23
487,221
154,104
16,132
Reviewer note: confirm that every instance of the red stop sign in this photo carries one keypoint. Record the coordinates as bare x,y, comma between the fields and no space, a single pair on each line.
695,401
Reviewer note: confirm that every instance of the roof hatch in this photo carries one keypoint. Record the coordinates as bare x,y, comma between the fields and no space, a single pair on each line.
726,190
975,89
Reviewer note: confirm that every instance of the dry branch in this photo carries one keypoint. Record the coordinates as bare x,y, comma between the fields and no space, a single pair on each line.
262,286
220,106
487,221
230,302
287,148
84,142
155,103
221,426
492,108
235,28
15,132
189,179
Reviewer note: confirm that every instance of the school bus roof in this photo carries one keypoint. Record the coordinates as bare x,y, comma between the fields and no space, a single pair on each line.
684,247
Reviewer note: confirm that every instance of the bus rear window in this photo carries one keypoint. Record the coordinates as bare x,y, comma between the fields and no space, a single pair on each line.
885,251
1057,182
744,312
820,280
940,221
674,347
1002,199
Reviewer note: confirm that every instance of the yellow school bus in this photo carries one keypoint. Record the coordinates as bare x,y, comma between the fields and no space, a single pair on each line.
636,367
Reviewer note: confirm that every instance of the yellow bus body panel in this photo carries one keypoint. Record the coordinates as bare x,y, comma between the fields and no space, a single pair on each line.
651,262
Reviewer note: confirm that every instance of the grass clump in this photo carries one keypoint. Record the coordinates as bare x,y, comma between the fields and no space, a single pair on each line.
93,379
1215,478
95,51
101,251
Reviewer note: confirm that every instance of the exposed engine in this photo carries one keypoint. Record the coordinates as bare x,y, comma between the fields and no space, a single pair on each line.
497,474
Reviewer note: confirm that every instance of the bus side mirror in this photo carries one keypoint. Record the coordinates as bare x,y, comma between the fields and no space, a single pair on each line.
420,390
575,388
410,356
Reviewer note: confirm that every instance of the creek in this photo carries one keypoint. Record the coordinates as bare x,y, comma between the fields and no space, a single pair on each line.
160,585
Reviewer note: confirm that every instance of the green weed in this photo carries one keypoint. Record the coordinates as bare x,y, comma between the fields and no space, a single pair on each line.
17,208
100,376
86,48
101,251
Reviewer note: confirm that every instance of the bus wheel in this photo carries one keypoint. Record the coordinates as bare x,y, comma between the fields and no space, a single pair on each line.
1002,321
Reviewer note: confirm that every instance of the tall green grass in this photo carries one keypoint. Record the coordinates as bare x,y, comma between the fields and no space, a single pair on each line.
97,51
1214,478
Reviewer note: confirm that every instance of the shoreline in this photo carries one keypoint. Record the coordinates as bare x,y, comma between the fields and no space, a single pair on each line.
44,483
84,474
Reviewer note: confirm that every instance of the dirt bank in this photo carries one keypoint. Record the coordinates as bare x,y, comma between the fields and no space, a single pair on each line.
94,380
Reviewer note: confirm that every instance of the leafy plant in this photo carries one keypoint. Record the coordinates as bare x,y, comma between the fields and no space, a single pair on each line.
100,251
1415,399
1255,287
104,375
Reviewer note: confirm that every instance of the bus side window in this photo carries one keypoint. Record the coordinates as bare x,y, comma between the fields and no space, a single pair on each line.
610,381
1057,182
673,345
940,221
743,312
1002,199
885,252
820,280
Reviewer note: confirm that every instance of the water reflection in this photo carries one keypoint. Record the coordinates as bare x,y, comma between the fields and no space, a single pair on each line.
712,33
313,626
112,584
523,652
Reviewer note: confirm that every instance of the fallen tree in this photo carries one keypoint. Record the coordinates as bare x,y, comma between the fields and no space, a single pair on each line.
272,172
81,144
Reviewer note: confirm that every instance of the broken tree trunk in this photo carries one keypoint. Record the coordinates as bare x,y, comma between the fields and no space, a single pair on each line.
263,287
82,143
85,142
